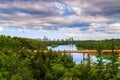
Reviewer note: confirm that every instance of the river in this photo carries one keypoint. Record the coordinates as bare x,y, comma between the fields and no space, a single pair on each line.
77,57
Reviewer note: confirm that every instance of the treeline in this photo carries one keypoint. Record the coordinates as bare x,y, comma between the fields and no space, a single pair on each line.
94,45
50,43
16,43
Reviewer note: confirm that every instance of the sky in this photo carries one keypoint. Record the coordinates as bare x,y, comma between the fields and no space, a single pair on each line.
60,19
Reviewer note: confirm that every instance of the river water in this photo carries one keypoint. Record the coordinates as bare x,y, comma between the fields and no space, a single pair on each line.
77,57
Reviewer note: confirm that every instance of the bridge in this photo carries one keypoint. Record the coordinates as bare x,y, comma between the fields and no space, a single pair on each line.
90,51
85,51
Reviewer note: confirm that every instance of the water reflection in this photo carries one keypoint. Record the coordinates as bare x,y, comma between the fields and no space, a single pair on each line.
63,47
77,57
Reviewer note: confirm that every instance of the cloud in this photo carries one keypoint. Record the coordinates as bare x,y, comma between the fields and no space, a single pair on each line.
70,32
1,29
110,28
80,16
24,29
114,28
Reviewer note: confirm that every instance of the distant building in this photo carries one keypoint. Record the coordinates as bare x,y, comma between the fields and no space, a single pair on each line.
45,38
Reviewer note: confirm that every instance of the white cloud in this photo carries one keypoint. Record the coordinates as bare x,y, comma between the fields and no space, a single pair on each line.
24,29
1,29
115,28
70,32
77,10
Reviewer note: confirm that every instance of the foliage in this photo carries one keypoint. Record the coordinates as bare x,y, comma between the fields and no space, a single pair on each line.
18,63
8,43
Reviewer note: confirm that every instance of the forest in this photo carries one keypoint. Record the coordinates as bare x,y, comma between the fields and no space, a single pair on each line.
18,61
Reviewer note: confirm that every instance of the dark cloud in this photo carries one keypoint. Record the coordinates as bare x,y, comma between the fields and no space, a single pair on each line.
107,8
12,10
79,24
83,26
32,1
51,28
111,11
36,13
